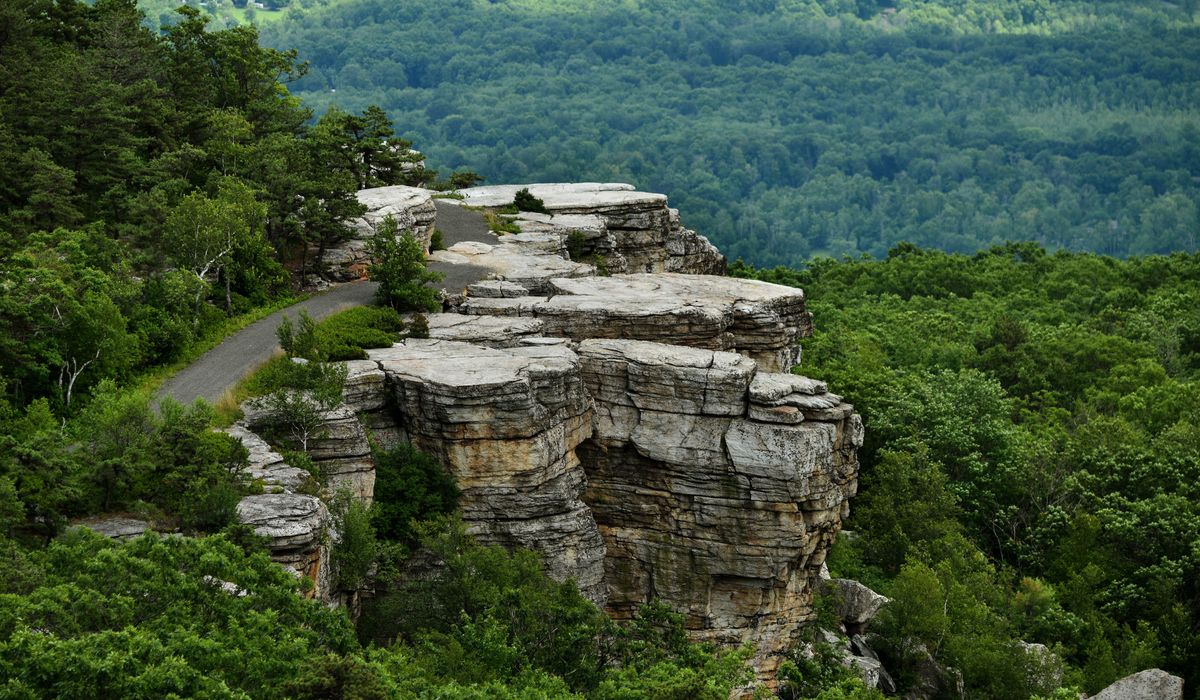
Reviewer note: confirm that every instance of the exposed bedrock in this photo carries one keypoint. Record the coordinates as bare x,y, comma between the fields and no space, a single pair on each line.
725,517
411,207
338,448
632,231
760,320
506,423
297,529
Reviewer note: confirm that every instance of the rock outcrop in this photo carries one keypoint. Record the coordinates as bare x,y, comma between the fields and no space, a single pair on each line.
857,604
295,526
1151,684
297,531
760,320
506,423
630,231
411,207
639,430
338,447
723,516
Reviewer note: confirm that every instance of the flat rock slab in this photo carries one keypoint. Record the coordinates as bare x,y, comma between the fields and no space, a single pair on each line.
287,520
488,331
762,320
524,265
579,197
115,527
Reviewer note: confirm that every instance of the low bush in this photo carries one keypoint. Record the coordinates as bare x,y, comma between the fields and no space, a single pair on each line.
348,334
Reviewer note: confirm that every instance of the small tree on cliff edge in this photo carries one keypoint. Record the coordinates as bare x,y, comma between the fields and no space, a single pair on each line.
525,201
398,265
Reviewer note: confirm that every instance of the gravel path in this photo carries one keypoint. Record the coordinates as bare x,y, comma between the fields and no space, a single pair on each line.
221,368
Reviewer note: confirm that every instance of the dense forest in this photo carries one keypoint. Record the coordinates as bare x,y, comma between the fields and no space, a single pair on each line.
785,129
1032,414
1032,457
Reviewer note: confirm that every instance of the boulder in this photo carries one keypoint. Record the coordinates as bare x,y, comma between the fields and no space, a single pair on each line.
1151,684
857,605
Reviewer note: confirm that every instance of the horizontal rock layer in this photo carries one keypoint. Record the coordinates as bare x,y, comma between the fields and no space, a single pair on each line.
506,423
761,320
724,517
629,231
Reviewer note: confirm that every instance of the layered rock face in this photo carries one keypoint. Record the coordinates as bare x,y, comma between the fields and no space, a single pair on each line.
724,516
411,207
632,231
763,321
338,448
506,422
296,526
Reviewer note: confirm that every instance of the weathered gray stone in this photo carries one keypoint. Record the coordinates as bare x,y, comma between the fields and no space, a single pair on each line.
295,527
338,447
489,331
762,321
497,289
411,207
364,387
857,604
115,527
1151,684
630,231
264,463
701,505
516,264
771,389
506,423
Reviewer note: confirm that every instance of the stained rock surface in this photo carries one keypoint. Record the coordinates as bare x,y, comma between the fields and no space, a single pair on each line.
506,423
296,528
724,517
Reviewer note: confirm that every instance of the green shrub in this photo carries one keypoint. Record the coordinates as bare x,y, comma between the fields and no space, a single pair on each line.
575,243
409,486
436,240
348,334
356,547
398,265
525,201
501,224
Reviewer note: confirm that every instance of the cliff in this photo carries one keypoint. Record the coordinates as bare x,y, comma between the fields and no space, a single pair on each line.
638,430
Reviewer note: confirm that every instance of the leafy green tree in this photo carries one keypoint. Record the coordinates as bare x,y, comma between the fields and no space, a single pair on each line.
398,265
410,486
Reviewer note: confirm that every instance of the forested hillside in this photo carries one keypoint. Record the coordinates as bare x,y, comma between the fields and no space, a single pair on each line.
789,129
1032,456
